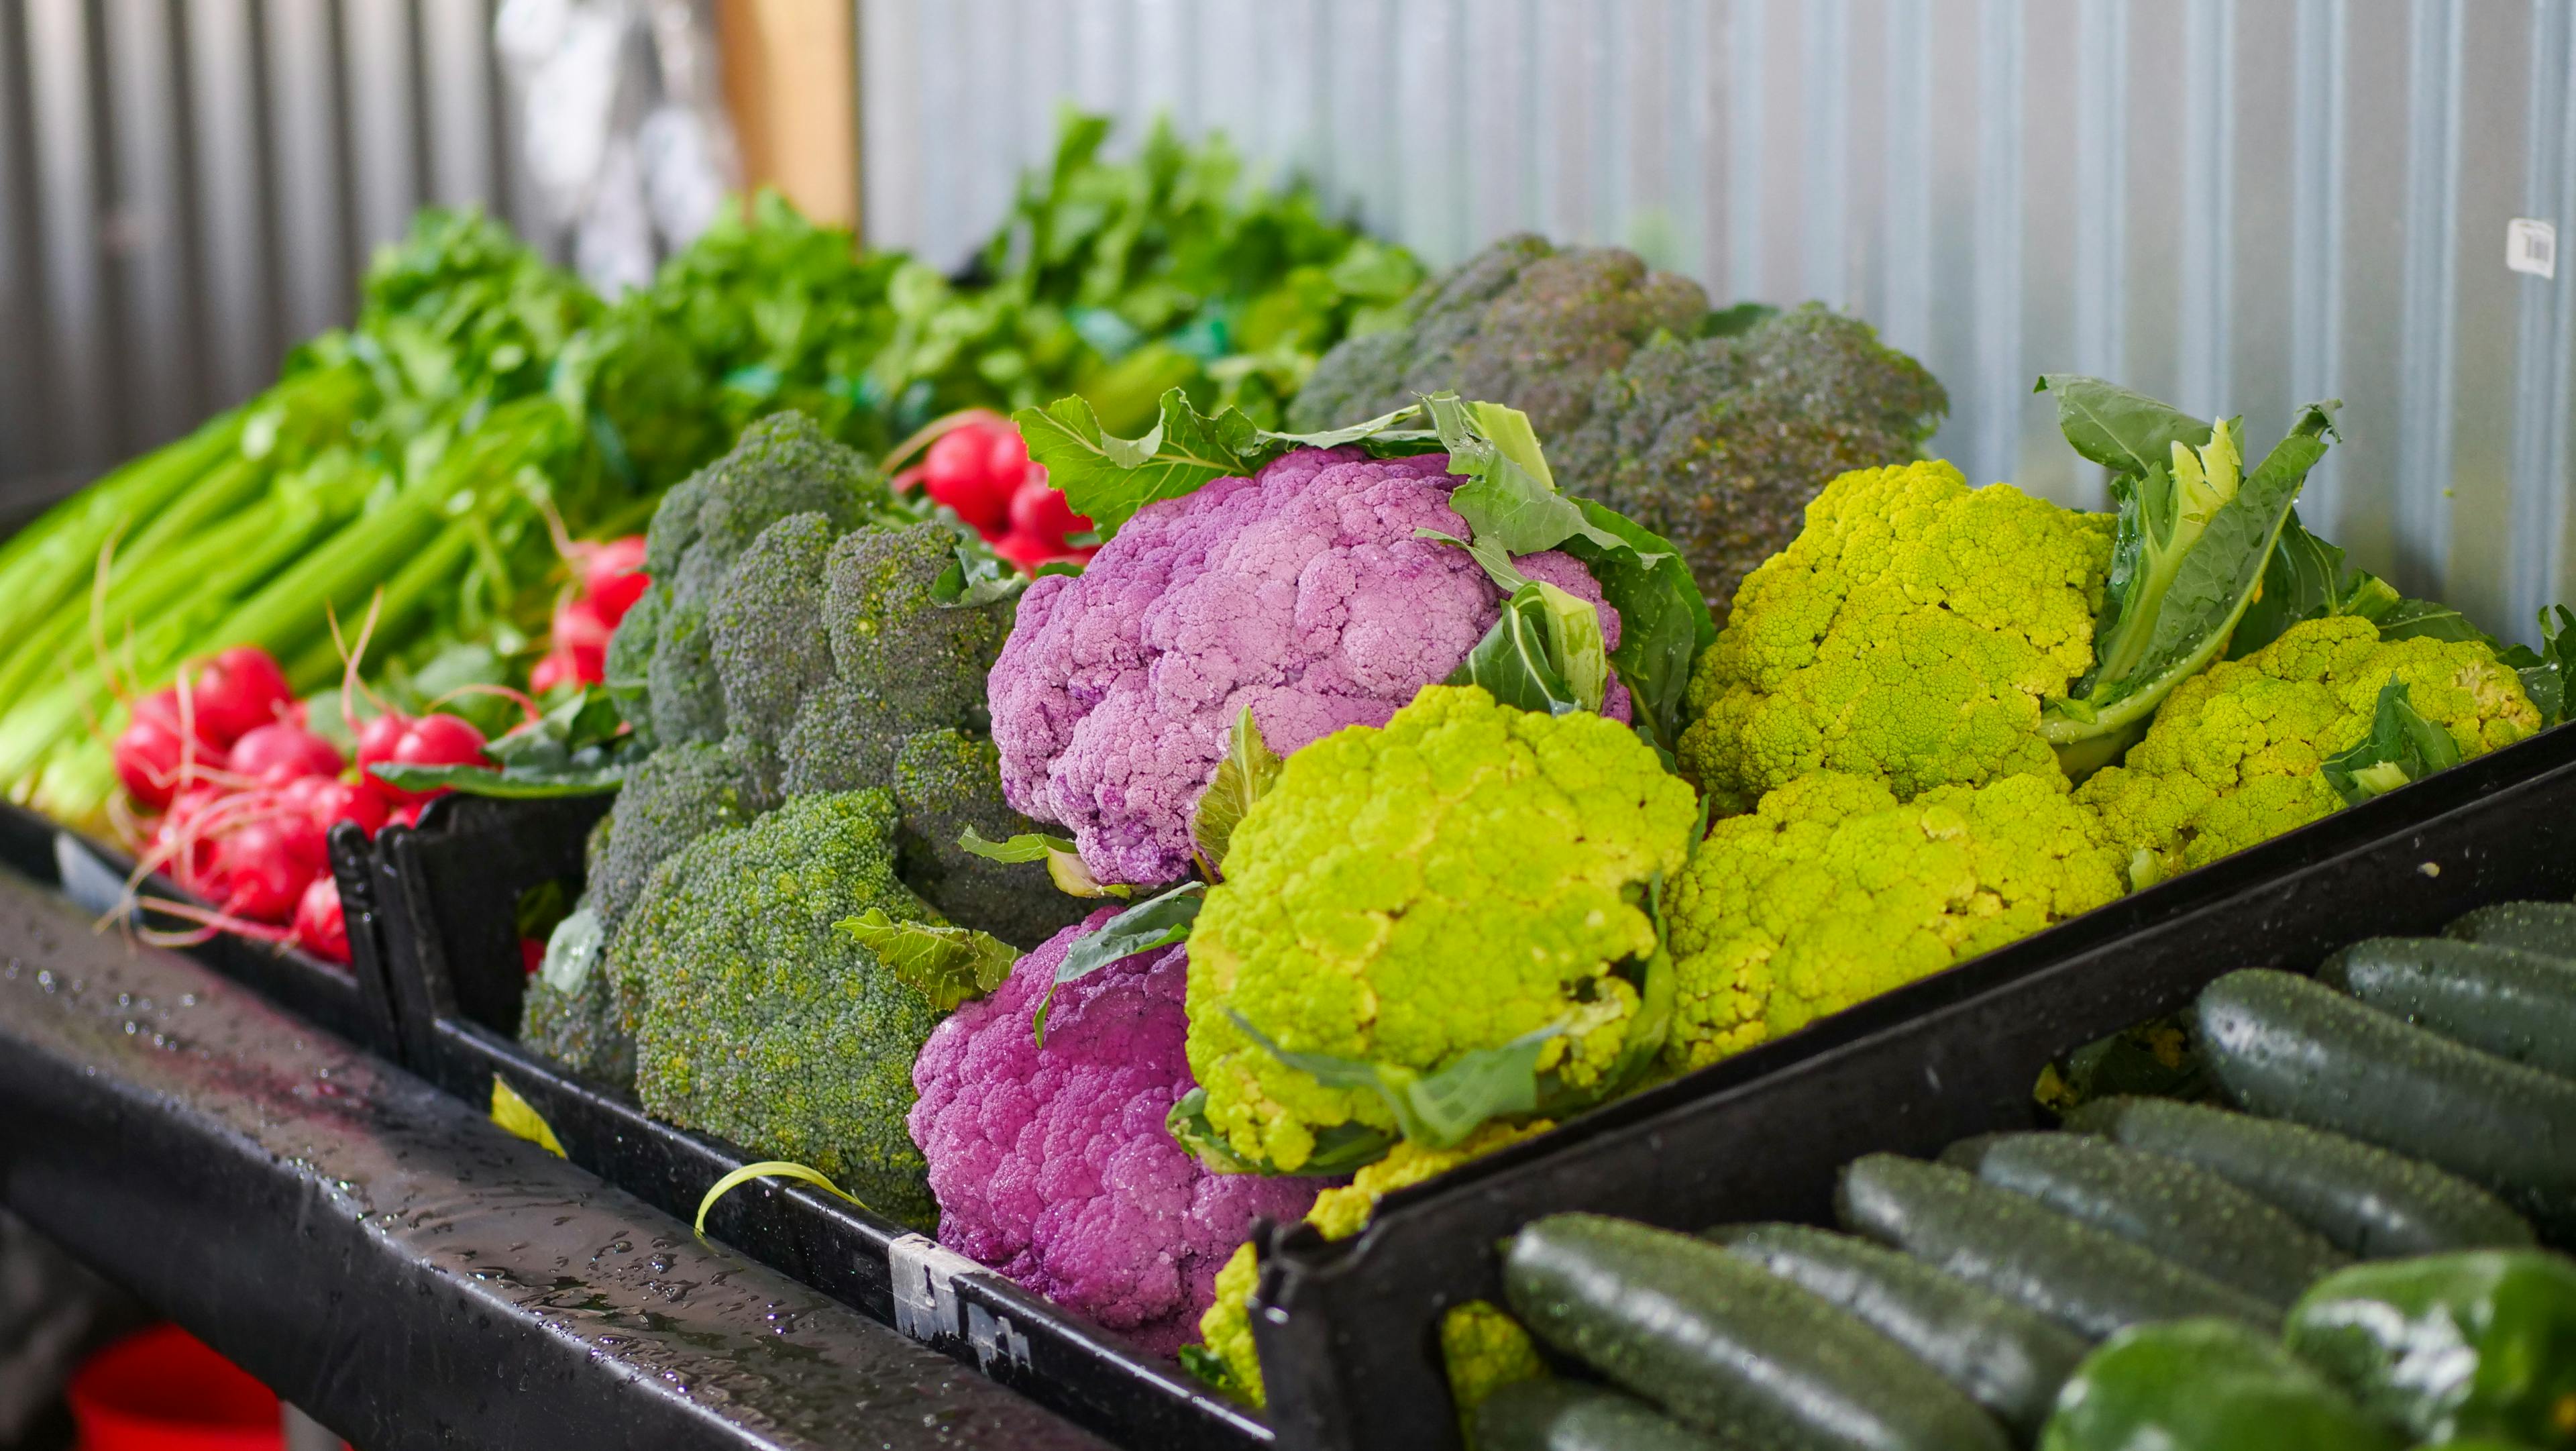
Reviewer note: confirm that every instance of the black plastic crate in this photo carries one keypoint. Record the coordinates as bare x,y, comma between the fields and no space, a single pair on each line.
354,1002
446,894
1348,1331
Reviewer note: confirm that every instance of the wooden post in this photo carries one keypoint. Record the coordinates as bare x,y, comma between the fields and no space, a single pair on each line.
791,72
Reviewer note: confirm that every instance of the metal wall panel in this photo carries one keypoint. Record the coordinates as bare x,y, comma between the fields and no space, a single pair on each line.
189,187
2238,204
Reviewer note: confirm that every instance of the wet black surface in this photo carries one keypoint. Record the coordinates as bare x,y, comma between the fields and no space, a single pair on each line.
390,1260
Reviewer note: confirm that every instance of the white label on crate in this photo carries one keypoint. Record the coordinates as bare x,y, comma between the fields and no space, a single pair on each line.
926,1306
2531,246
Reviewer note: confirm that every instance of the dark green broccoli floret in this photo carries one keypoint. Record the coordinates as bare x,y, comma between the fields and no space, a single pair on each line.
630,661
1519,323
582,1029
686,700
756,1020
1719,444
892,637
765,624
678,794
944,783
784,464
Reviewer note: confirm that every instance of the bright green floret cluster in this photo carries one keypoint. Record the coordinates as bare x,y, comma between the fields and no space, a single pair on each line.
1912,633
755,1019
1833,891
1407,896
2236,754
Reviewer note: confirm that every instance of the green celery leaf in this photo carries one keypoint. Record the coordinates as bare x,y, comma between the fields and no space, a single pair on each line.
2402,746
1157,922
1437,1109
1516,660
945,964
2125,432
1242,778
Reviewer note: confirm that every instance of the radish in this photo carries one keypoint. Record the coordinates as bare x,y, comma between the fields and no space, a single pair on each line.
1006,456
321,927
378,737
408,814
276,753
615,597
580,665
151,756
958,473
604,566
578,622
436,739
1040,511
532,954
262,871
326,801
238,691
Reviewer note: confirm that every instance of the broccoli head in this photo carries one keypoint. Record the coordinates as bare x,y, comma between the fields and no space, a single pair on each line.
1521,323
1302,594
808,651
1718,443
662,654
1469,879
1051,1163
1833,892
1225,1357
1913,632
755,1019
2237,754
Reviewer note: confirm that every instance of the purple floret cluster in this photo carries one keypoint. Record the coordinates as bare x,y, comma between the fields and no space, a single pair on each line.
1301,592
1052,1165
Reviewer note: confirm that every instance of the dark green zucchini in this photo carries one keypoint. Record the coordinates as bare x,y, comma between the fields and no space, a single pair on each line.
2092,1282
2366,1201
2006,1358
1570,1415
1723,1345
2287,1047
2474,1344
2179,1210
2548,928
2520,1006
2205,1385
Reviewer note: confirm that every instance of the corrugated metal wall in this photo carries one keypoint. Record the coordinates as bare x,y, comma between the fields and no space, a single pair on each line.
2236,204
188,187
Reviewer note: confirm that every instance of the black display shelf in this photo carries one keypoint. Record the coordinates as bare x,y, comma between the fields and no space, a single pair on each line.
387,1258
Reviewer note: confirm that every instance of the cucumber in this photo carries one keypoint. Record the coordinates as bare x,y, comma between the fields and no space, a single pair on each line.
2092,1282
2548,928
2475,1344
1724,1346
1567,1415
2520,1006
2007,1359
2286,1047
2367,1202
2177,1209
2204,1385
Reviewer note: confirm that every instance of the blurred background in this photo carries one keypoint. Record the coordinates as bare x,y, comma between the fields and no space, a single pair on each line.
2236,204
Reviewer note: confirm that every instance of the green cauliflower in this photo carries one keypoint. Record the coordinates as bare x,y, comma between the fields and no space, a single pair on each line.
755,1019
1718,443
1469,885
1833,891
2239,754
1914,632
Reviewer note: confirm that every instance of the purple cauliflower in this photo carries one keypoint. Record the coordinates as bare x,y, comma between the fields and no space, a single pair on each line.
1051,1164
1301,592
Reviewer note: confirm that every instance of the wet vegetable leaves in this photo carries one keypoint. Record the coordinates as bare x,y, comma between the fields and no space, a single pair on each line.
946,965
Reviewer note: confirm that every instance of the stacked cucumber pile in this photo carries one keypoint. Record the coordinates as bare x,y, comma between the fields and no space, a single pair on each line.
2352,1260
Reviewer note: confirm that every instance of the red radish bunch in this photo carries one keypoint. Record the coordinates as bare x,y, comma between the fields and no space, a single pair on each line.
608,579
980,468
246,794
